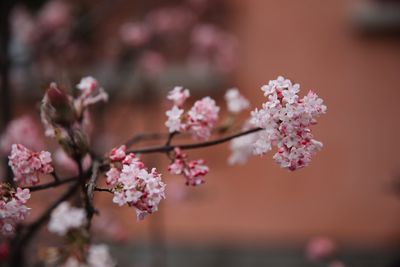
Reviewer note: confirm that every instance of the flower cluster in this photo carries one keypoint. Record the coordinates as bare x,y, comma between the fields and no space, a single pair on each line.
22,130
193,170
27,165
90,94
65,218
98,256
133,184
235,101
285,120
12,208
199,120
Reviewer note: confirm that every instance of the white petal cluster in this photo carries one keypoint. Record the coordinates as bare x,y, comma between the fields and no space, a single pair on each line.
235,101
285,120
65,218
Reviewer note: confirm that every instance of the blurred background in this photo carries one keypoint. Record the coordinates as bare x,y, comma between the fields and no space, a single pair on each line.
346,204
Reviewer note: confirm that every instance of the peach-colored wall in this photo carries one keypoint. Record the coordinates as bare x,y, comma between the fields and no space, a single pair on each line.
344,193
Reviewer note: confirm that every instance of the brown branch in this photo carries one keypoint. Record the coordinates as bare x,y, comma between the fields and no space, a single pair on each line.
103,190
51,184
19,246
167,148
91,186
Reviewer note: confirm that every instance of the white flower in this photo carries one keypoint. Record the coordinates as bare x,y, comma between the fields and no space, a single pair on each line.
174,123
99,256
235,101
65,218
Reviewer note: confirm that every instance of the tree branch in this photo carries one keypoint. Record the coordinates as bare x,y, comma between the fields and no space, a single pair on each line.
167,148
91,186
51,184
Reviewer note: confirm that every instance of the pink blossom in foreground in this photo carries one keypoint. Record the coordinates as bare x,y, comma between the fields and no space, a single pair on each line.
22,130
193,170
27,165
285,119
320,248
134,185
12,208
65,218
202,118
235,101
118,154
199,120
178,95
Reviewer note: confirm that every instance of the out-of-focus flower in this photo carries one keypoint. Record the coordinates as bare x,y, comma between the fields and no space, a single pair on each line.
178,95
134,185
235,101
285,120
22,130
89,96
174,121
54,15
99,256
67,164
12,208
170,20
320,248
193,170
242,147
152,63
65,218
27,165
336,263
135,34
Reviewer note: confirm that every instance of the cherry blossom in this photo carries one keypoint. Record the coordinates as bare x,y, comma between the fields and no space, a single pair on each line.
12,208
22,130
193,170
235,101
286,119
134,185
91,94
27,165
178,95
118,154
174,122
65,217
202,117
135,34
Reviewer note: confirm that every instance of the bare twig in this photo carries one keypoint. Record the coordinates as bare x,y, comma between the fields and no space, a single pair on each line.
52,184
103,190
167,148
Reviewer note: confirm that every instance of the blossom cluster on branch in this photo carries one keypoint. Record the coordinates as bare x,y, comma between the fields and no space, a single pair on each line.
284,121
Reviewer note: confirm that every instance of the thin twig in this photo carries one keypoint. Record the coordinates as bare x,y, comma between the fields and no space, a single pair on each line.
52,184
103,190
18,250
167,148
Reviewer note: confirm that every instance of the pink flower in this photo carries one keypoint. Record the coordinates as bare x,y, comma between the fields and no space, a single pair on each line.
134,185
22,130
193,170
135,34
28,165
12,208
202,117
99,256
285,120
178,95
91,94
235,101
118,154
87,85
152,63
